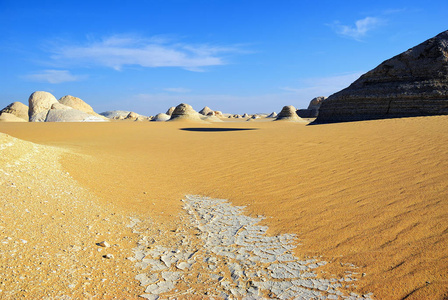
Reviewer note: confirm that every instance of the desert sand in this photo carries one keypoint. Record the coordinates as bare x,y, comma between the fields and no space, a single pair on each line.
368,197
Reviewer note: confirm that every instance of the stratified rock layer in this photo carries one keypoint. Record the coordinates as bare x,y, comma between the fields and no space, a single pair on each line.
413,83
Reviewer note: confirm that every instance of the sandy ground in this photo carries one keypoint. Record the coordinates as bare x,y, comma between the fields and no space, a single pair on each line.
373,194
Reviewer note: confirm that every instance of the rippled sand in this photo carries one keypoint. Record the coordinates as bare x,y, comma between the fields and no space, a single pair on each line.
373,194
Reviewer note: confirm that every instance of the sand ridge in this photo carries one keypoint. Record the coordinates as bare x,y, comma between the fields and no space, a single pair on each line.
369,193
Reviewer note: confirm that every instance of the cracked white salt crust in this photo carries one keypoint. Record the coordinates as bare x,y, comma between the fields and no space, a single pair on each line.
228,255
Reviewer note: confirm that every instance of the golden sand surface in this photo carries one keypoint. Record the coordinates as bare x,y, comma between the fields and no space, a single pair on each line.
373,194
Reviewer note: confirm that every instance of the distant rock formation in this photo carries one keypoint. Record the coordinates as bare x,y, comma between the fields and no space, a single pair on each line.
216,113
43,107
116,114
161,117
205,111
288,113
313,108
245,116
170,110
272,115
17,109
185,112
413,83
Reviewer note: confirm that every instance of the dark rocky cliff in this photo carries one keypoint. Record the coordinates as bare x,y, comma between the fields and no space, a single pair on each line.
413,83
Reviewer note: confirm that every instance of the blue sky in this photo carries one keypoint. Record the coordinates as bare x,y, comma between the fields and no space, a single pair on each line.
234,56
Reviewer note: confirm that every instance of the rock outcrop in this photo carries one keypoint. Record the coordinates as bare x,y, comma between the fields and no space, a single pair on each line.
288,113
313,108
185,112
170,110
70,115
116,114
205,111
43,107
39,104
17,109
272,115
161,117
413,83
76,103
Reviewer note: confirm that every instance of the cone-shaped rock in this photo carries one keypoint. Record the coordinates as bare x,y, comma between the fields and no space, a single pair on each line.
17,109
185,112
288,113
272,115
205,111
413,83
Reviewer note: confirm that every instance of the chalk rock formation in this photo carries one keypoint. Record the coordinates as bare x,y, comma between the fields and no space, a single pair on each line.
115,114
313,108
60,106
272,115
76,103
70,115
288,113
161,117
17,109
45,108
39,104
185,112
245,116
218,114
413,83
170,110
132,116
205,111
8,117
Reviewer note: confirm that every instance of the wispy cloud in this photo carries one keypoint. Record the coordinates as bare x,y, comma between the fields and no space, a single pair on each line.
359,29
177,90
54,76
322,86
118,51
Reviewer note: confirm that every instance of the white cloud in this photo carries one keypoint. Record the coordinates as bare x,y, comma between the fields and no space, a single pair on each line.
360,28
322,86
177,90
118,51
53,76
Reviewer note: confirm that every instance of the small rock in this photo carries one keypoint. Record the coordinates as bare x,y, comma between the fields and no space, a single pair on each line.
103,244
108,256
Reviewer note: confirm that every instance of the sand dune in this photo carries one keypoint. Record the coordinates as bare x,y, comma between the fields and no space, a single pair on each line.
372,194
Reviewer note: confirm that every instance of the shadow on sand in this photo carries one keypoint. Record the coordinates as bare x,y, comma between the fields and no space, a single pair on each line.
211,129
